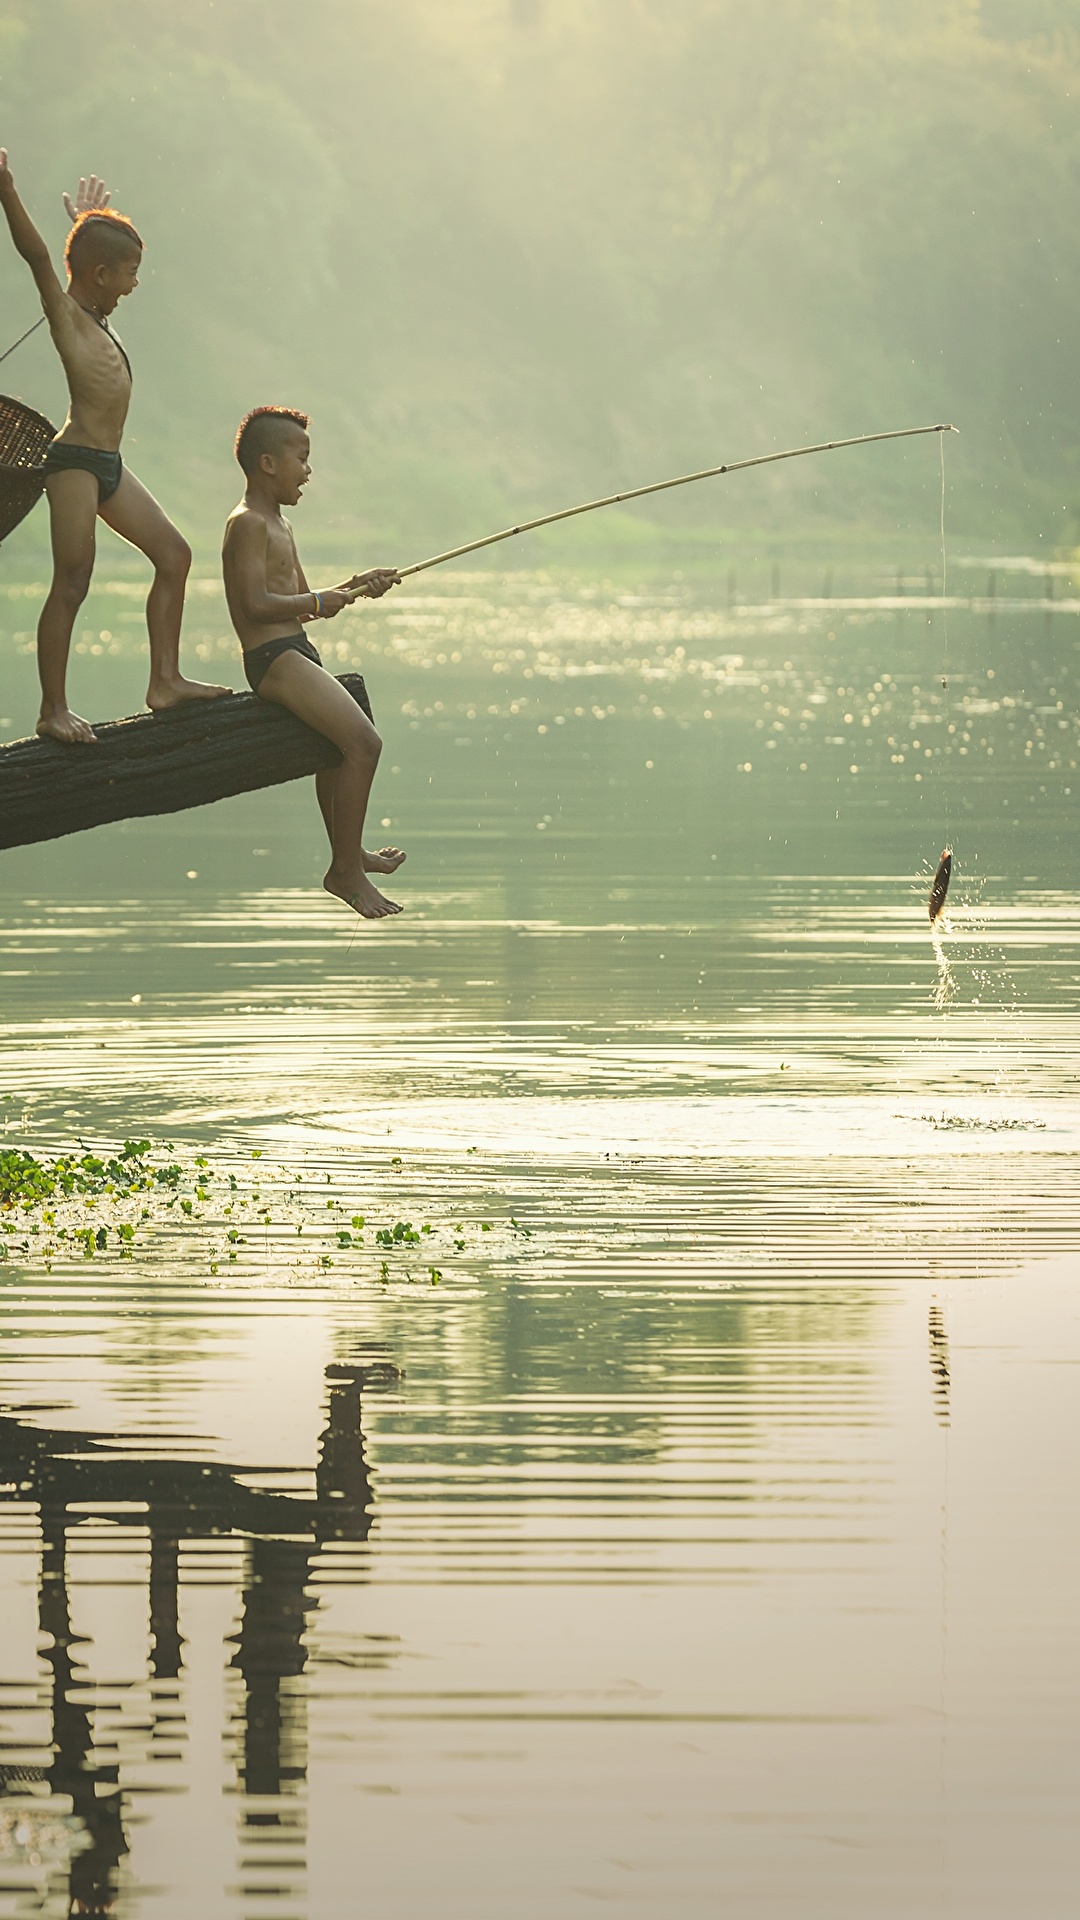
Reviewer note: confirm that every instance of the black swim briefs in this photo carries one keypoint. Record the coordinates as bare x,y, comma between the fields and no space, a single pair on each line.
107,468
257,659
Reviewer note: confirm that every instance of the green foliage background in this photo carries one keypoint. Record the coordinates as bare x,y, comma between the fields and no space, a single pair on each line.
513,252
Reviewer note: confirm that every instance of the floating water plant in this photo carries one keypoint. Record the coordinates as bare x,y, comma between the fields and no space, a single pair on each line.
110,1203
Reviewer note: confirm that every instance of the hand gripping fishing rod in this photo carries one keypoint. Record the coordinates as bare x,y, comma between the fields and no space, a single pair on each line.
663,486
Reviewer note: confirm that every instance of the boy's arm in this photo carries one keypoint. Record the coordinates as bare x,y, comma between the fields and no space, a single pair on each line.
29,243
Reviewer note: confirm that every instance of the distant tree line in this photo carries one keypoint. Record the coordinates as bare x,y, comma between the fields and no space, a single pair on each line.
512,251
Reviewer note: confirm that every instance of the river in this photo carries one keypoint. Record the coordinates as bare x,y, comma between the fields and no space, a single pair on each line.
674,1511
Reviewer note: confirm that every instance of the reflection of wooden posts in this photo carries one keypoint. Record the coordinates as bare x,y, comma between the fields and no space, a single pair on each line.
342,1485
185,1500
93,1871
165,1638
940,1378
269,1651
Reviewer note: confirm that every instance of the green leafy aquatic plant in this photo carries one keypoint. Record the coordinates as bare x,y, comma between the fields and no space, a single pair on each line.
26,1181
113,1202
402,1233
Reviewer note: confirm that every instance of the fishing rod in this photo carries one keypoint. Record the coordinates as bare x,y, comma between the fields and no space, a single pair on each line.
663,486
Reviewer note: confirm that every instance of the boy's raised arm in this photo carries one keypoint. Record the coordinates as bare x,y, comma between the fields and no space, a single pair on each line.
29,242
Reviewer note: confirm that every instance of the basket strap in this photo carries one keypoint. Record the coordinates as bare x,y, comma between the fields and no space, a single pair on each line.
23,336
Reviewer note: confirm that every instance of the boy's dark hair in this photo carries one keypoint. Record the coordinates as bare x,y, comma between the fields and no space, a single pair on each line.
262,431
100,240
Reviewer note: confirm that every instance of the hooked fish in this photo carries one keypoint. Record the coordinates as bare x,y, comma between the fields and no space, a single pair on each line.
941,885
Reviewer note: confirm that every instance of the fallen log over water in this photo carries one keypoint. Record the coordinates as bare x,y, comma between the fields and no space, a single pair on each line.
158,763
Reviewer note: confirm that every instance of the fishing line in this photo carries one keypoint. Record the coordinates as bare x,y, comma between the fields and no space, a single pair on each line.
22,337
940,887
945,629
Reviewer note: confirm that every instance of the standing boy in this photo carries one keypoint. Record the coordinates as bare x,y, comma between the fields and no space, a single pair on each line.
268,597
85,475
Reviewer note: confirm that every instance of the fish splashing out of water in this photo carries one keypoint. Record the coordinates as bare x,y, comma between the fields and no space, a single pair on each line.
940,888
945,986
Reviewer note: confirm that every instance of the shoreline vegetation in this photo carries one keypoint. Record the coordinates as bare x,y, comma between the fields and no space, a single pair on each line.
766,567
613,254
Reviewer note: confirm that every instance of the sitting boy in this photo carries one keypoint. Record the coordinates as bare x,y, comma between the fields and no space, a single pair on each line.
268,597
85,475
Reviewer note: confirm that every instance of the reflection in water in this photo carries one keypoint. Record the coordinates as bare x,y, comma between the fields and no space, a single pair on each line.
939,1365
92,1788
271,1656
655,1616
76,1477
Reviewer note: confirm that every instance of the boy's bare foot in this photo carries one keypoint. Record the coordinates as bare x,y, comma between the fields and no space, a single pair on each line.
63,725
364,899
163,694
387,860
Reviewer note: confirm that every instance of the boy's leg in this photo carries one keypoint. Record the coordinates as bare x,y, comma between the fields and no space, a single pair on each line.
387,860
317,698
73,505
134,514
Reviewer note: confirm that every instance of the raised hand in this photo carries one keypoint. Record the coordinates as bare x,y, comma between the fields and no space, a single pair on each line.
92,197
5,170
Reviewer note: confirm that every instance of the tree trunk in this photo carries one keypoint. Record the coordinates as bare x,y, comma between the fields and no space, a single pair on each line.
158,763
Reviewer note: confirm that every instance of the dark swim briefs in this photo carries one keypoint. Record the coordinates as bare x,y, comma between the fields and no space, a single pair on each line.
106,468
257,659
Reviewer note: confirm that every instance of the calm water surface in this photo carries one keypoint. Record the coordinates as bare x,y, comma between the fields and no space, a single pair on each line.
685,1523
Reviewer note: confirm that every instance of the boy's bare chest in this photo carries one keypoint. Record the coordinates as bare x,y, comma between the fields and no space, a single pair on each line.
281,562
96,366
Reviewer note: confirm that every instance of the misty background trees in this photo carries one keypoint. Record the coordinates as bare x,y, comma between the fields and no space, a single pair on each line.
511,253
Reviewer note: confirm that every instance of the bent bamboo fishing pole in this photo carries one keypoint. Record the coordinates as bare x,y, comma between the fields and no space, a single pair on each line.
663,486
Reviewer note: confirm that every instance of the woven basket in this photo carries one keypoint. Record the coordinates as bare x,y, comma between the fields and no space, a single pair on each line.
24,436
